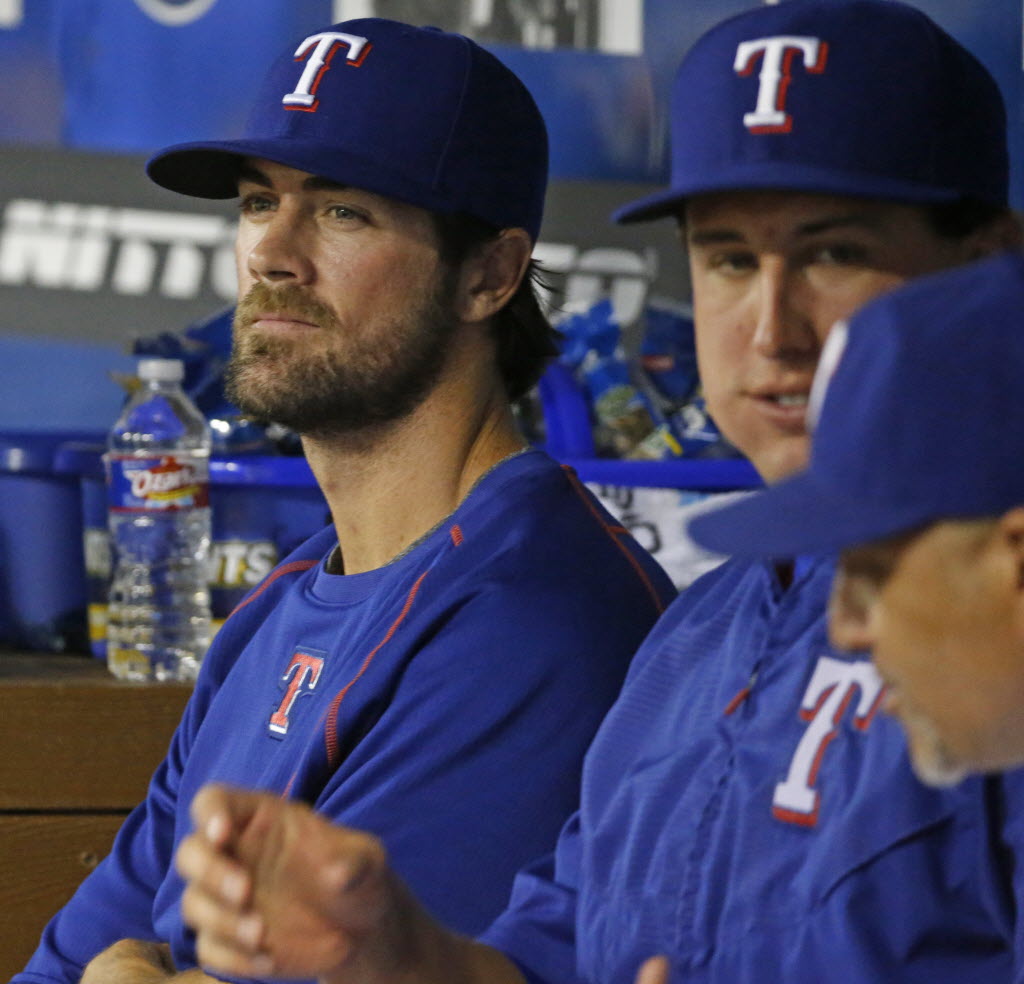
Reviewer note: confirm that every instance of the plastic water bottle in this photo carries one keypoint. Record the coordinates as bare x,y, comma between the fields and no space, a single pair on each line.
158,464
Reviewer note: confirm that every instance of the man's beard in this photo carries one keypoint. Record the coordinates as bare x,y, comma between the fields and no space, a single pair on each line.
338,380
931,759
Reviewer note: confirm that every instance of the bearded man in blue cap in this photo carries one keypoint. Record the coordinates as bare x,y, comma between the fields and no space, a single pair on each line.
746,813
432,665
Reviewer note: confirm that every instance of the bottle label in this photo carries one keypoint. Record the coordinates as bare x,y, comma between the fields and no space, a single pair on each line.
166,482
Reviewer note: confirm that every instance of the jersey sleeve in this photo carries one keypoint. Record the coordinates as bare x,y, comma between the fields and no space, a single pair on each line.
537,930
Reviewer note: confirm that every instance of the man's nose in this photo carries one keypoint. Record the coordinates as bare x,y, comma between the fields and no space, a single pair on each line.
278,254
784,327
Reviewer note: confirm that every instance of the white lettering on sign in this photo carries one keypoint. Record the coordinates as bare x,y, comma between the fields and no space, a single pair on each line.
66,246
134,251
623,275
241,563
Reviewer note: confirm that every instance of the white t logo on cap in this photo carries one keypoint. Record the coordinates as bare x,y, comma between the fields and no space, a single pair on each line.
324,47
770,115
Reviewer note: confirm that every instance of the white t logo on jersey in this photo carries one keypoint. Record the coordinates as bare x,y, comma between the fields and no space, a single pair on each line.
770,115
300,678
826,700
324,47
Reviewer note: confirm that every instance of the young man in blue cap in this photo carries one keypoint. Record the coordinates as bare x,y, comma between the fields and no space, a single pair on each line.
929,528
745,812
432,666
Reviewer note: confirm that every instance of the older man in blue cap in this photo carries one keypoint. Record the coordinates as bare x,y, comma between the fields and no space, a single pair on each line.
745,811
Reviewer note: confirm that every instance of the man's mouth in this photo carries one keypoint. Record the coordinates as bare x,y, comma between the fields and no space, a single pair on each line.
281,319
790,403
795,400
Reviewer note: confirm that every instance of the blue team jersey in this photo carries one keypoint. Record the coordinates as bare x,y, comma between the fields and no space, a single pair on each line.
748,812
443,702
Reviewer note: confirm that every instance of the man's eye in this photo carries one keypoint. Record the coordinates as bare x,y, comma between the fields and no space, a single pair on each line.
841,254
733,263
254,203
344,213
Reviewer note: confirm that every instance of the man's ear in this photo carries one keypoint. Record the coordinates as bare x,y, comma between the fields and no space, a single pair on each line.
1011,532
491,274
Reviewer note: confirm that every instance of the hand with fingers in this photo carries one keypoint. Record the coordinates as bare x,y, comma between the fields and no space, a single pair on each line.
276,890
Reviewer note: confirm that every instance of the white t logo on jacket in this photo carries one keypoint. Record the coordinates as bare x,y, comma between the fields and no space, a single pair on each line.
829,694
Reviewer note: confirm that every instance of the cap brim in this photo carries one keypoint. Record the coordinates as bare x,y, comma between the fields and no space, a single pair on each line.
210,169
206,169
780,176
798,517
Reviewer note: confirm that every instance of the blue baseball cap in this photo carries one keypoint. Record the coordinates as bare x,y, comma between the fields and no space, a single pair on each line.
868,98
917,411
417,114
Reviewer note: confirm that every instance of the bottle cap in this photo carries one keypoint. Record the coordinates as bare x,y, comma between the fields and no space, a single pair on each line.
162,370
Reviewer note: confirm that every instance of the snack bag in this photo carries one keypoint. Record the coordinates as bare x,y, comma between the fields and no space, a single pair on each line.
668,353
591,348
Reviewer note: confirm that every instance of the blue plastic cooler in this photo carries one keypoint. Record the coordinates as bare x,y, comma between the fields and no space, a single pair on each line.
42,575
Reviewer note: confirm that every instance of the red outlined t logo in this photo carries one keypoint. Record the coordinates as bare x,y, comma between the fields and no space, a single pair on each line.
777,53
826,700
302,676
324,46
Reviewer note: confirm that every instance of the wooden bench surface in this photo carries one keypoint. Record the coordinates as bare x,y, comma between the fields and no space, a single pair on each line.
77,749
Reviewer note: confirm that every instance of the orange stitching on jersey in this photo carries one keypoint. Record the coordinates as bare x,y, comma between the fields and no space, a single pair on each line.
734,704
456,535
331,735
614,532
295,565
